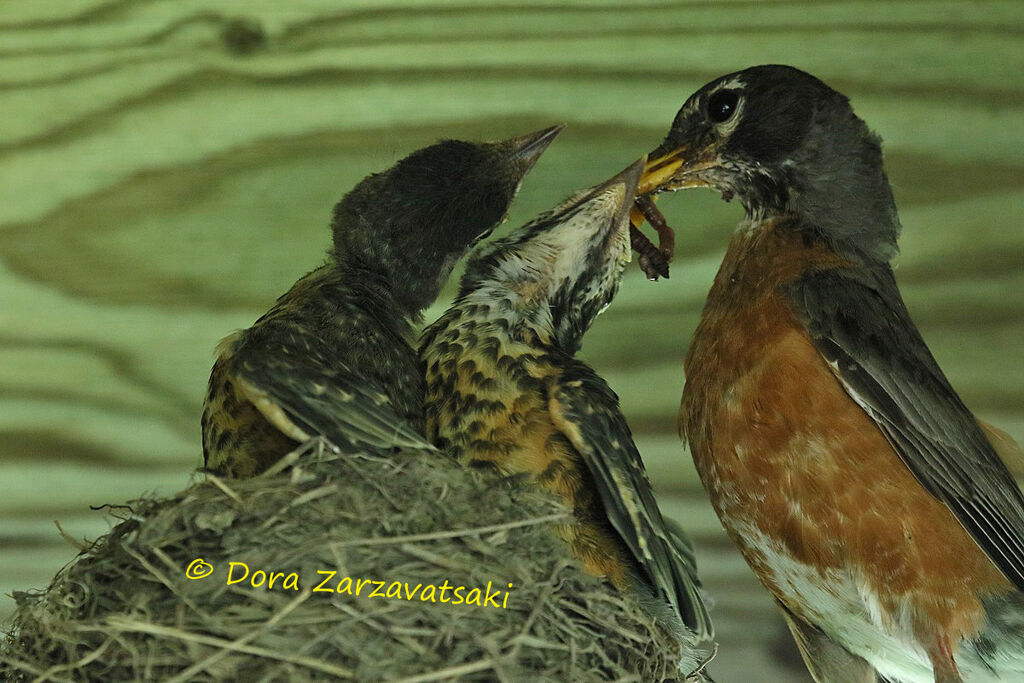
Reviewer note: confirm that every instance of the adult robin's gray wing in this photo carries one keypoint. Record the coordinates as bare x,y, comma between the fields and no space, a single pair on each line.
860,325
587,411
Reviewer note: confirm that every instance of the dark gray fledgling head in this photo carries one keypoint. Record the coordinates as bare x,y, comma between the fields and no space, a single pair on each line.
411,223
555,274
783,142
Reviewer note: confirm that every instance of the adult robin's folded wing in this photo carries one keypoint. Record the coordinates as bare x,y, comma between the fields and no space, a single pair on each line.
1009,451
587,411
860,325
304,396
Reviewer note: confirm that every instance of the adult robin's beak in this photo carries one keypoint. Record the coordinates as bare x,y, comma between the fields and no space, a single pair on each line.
674,168
669,167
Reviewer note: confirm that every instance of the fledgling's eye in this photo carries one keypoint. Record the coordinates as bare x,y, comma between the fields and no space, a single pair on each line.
722,105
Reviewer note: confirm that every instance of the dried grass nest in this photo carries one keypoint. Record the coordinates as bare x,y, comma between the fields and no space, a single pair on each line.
124,609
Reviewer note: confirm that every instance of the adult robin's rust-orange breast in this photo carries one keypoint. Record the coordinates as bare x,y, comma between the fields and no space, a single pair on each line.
794,466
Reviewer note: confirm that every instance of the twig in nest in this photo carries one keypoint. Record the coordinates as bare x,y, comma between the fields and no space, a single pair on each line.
454,533
122,624
317,445
450,672
209,661
219,483
69,538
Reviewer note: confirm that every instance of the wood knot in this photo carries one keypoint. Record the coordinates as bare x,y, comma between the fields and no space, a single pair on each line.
243,35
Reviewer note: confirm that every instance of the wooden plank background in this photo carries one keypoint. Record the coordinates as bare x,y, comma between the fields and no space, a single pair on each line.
167,167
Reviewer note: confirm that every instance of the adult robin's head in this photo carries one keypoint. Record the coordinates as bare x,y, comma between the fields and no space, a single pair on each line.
783,142
412,222
559,271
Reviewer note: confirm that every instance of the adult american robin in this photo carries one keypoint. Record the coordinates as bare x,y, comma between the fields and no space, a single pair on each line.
504,390
856,484
332,358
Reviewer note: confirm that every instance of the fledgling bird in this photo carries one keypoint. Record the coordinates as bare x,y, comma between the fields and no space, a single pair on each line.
853,479
333,357
504,390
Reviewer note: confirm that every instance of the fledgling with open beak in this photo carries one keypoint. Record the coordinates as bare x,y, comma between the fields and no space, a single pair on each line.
504,390
858,486
333,357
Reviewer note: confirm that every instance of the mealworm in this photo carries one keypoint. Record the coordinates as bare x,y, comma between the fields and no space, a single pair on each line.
652,261
666,235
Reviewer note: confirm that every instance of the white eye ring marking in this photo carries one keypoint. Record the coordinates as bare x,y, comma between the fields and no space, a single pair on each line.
726,127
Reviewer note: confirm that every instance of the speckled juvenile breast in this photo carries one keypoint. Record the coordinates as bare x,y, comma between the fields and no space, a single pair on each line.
486,397
487,403
238,441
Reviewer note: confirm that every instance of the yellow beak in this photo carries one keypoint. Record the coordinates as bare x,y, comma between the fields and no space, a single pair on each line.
676,170
659,172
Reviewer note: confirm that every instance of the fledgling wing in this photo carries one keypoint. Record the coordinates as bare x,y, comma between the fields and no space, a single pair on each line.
587,411
860,325
305,392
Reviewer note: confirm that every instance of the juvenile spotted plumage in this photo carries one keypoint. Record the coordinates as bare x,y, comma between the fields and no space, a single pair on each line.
503,389
851,476
332,358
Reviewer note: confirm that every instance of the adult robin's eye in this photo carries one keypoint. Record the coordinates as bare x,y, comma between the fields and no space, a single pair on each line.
722,105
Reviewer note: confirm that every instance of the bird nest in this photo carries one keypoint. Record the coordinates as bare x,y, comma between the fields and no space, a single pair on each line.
334,560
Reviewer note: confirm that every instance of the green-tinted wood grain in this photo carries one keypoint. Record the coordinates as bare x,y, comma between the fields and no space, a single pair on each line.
167,168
